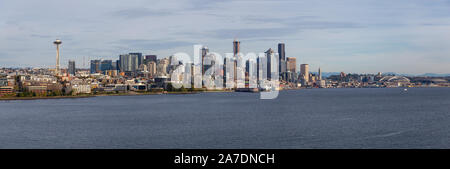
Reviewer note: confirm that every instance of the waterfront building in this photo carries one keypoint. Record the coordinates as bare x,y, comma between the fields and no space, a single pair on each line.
80,88
6,90
37,89
3,81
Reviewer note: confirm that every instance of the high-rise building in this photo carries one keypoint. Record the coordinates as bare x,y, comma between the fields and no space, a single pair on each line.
271,64
304,72
71,67
162,66
236,47
95,66
205,52
282,57
150,58
129,63
320,74
291,63
261,67
281,51
118,65
229,74
236,51
114,65
152,68
139,58
105,65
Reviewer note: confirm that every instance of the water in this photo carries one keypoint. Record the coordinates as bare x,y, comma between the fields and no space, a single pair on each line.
310,118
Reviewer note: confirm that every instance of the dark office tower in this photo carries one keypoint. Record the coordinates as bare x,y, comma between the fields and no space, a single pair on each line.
282,57
281,52
247,66
71,68
95,66
236,47
105,65
118,65
236,50
150,58
139,57
258,69
224,72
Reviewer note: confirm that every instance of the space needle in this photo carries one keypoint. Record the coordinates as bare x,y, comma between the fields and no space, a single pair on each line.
57,42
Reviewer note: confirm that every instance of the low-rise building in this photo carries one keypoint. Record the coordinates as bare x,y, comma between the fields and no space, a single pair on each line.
6,90
80,89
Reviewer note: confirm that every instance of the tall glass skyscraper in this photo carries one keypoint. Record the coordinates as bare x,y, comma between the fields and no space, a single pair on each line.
282,60
95,66
71,67
129,63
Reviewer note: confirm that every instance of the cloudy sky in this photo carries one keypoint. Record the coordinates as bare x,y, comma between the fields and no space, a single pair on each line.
364,36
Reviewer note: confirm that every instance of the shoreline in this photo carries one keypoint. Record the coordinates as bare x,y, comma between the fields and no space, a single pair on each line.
154,93
39,98
104,94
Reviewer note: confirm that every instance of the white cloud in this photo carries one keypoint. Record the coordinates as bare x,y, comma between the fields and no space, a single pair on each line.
345,35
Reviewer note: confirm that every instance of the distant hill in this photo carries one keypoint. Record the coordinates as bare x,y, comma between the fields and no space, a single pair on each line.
327,74
434,75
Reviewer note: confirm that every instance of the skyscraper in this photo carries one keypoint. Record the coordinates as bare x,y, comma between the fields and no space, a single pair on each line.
236,47
149,58
205,52
152,68
105,65
271,64
71,67
95,66
162,66
118,65
291,63
320,74
139,58
304,72
129,63
282,57
236,50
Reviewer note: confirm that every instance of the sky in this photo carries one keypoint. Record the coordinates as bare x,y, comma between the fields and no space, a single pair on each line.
354,36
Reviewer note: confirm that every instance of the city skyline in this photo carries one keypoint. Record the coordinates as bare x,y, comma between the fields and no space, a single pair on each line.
402,36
